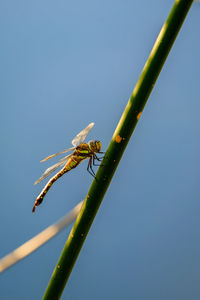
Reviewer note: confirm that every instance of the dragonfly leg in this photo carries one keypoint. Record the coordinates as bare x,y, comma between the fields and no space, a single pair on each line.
89,168
93,162
97,158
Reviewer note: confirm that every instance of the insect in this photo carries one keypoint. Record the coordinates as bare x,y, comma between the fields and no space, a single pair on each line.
81,151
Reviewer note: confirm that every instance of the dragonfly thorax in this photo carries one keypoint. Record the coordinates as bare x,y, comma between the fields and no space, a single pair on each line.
95,146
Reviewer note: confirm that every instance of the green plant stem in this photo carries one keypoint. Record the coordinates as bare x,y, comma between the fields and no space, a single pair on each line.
116,148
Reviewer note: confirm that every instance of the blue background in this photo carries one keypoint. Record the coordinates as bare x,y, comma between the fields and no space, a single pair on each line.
63,65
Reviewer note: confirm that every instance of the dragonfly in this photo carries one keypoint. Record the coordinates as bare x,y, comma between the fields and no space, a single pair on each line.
81,151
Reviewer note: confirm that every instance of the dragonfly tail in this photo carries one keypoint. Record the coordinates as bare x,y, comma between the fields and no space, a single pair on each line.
70,165
41,196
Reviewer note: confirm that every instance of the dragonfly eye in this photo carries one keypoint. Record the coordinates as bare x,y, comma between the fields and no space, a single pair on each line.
98,146
95,146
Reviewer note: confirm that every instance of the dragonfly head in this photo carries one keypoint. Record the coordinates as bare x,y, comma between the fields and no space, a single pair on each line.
95,146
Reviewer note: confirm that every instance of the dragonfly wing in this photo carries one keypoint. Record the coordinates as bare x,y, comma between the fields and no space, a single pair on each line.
53,155
51,169
79,138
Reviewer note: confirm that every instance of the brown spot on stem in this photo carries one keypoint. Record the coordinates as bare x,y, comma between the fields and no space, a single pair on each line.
138,116
104,178
118,139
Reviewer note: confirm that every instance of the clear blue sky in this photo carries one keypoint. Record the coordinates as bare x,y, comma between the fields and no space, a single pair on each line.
65,64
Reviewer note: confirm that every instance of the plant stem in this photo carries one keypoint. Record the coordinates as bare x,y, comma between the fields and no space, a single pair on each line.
116,148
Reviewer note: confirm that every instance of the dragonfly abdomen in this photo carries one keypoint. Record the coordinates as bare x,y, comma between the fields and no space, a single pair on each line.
71,164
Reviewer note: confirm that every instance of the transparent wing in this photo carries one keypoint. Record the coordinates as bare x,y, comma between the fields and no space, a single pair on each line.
51,169
79,138
53,155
